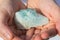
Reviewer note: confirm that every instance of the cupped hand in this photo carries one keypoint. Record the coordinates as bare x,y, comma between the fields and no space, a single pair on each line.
51,10
7,27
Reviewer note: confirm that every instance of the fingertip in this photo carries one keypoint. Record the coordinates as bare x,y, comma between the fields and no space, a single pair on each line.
37,37
37,31
30,33
51,32
45,35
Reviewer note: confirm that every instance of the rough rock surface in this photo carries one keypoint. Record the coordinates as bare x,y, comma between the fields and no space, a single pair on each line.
29,18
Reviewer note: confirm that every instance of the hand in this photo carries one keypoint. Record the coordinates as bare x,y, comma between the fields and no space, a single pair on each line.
7,27
50,10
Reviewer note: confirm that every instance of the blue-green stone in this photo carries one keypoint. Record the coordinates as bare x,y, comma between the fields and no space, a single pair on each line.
30,18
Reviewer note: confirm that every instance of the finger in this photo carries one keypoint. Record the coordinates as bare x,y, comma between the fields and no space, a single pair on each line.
5,31
48,31
8,34
48,34
23,37
44,34
37,31
19,33
36,37
29,33
58,27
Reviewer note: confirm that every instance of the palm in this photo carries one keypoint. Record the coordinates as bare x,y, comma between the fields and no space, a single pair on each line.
48,8
7,26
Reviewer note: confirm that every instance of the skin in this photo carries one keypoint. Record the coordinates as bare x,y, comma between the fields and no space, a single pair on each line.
7,27
47,7
51,10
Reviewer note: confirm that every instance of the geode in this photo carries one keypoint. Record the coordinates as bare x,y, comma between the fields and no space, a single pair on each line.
27,18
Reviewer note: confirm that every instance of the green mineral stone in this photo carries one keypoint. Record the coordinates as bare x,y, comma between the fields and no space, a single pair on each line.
29,18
